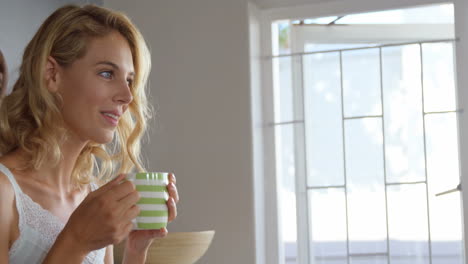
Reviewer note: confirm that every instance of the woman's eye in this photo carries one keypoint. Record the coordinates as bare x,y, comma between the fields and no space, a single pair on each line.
130,82
106,74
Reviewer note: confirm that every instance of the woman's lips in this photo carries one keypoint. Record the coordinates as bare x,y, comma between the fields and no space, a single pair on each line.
112,119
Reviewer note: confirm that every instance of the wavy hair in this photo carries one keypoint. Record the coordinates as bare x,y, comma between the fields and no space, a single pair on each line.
30,116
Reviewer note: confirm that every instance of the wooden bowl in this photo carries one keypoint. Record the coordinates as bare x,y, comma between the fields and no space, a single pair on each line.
175,248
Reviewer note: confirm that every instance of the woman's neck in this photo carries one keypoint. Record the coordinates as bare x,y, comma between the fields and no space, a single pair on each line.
58,177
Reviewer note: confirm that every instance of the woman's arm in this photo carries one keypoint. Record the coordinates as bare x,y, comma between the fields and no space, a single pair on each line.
134,258
102,219
109,258
7,208
65,249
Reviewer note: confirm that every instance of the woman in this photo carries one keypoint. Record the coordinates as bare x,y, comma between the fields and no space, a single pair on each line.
3,75
81,86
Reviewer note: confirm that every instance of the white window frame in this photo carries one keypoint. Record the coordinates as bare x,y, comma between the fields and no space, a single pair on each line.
269,250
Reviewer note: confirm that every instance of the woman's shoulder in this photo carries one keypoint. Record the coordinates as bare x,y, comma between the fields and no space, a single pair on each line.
5,161
12,159
8,212
6,187
7,196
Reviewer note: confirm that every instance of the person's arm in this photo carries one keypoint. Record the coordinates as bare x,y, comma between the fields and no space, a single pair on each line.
102,219
109,258
134,257
7,208
65,249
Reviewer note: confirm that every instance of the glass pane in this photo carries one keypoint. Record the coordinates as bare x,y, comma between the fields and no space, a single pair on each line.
281,34
361,83
286,188
365,186
408,224
314,47
328,226
404,140
283,89
368,260
443,174
432,14
442,151
439,81
323,119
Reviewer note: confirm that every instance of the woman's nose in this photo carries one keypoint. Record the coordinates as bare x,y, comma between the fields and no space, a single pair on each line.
124,96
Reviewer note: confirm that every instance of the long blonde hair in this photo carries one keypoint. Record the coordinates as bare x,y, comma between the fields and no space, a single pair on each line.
30,117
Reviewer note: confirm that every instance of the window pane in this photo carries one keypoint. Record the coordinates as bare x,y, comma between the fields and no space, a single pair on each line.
328,226
281,34
365,186
404,149
439,81
442,151
368,260
436,14
283,89
361,83
443,174
407,224
285,169
323,119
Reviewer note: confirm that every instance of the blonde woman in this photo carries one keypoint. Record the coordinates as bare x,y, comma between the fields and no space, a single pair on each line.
3,75
81,86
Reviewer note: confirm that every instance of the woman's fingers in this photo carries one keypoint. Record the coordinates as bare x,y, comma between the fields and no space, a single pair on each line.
110,184
162,232
173,198
130,200
131,213
172,178
120,191
172,189
172,208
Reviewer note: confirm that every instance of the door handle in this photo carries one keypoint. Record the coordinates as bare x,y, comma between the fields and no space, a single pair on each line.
458,188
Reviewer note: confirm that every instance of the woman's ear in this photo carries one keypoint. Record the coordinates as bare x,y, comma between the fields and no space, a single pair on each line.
52,74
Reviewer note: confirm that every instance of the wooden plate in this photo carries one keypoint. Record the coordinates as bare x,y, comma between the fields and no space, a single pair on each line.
175,248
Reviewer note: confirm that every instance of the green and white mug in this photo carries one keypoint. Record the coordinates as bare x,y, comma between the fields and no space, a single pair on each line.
152,187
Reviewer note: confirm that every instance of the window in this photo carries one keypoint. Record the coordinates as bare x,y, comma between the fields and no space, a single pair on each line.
366,135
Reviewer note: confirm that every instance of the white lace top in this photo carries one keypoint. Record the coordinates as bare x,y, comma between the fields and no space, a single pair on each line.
38,229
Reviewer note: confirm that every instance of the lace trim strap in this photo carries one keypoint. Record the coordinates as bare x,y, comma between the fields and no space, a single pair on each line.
94,186
16,187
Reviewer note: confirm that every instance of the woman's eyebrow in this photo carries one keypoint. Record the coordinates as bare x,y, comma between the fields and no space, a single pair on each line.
113,65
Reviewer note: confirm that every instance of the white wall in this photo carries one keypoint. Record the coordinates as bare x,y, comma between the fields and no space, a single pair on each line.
200,87
266,4
19,20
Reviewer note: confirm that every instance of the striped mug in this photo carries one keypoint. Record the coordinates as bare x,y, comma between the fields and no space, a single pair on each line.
153,198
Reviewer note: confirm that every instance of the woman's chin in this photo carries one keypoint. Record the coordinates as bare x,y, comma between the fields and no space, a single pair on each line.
105,138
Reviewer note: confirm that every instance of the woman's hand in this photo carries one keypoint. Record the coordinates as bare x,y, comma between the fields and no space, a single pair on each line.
104,217
139,241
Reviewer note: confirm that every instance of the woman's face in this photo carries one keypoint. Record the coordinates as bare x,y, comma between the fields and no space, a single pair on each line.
96,88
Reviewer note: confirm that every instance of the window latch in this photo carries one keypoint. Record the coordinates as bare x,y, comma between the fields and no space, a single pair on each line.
458,188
